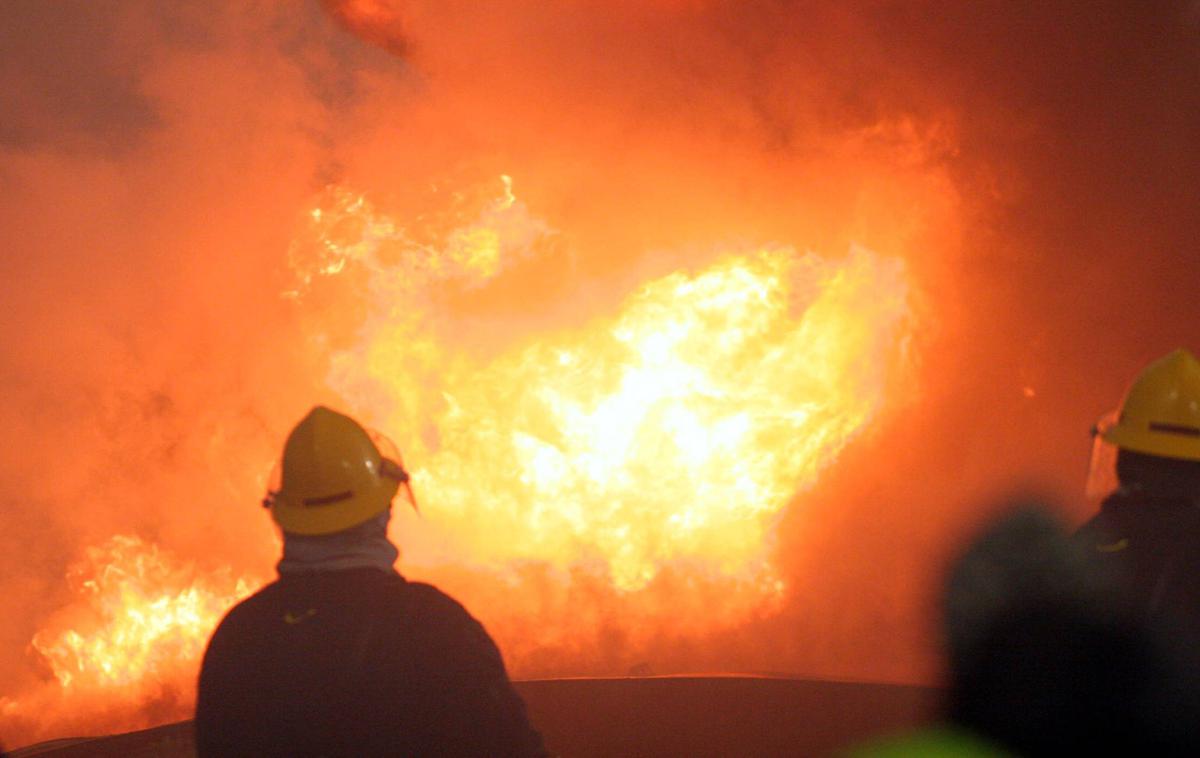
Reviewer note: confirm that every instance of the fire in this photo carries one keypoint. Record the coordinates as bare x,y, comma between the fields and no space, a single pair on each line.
673,432
636,459
135,634
148,615
668,434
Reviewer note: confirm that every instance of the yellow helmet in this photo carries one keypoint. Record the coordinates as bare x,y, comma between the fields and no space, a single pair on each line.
333,476
1161,412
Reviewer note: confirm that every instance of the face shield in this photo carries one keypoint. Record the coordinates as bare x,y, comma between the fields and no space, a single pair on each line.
391,465
1102,478
274,483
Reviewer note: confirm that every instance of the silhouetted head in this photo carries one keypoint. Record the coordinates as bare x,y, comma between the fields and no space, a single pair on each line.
1047,656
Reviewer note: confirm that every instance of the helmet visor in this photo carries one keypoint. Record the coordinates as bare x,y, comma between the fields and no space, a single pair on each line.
1102,470
391,465
274,483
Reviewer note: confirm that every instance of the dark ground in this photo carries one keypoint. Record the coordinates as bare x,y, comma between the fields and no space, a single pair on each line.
657,716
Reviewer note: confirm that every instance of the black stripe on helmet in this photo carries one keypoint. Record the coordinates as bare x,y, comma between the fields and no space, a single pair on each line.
328,499
1186,431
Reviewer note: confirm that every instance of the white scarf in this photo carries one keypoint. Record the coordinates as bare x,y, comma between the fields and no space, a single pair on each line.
363,546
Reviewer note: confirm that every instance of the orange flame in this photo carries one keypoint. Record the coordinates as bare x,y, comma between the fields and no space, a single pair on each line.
641,459
669,434
148,614
135,636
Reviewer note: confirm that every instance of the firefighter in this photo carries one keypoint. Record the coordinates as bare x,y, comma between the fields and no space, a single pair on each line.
341,655
1145,470
1043,656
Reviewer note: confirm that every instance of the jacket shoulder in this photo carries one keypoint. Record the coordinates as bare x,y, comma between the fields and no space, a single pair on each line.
449,629
436,610
248,612
428,596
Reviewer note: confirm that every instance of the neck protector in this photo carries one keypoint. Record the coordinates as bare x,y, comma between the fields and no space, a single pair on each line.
363,546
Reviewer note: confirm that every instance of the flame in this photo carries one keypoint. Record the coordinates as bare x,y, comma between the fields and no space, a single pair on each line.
666,436
135,634
674,431
149,614
638,461
349,228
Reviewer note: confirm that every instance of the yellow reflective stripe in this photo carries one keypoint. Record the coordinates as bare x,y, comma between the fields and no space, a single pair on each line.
1115,547
292,618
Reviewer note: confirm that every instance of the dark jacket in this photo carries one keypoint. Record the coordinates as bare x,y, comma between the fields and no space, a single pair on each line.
356,662
1153,543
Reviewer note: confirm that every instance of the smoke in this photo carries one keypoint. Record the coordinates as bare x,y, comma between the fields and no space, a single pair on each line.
153,162
1033,163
